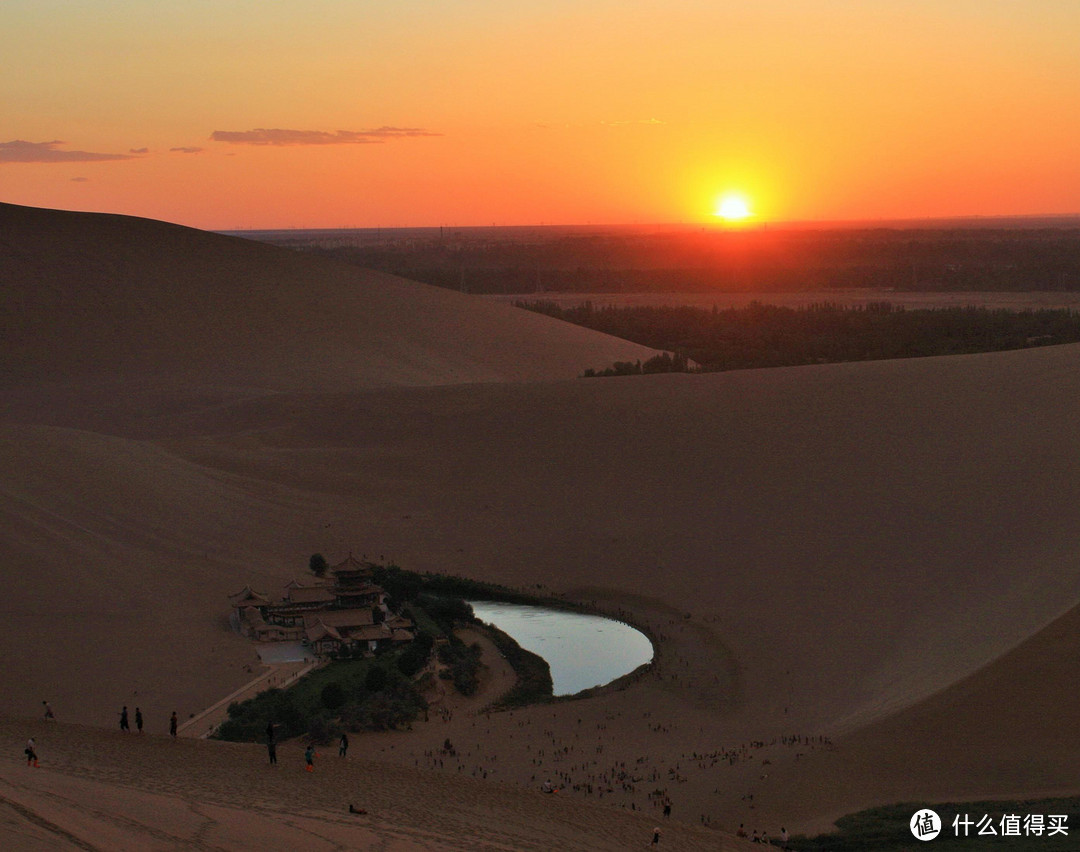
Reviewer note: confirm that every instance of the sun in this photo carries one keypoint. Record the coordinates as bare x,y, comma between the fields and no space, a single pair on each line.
733,208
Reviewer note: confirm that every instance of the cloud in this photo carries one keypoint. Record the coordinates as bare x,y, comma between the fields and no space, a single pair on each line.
263,136
138,150
187,149
632,121
19,151
80,180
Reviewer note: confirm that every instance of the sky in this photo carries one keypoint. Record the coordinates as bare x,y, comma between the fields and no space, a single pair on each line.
236,114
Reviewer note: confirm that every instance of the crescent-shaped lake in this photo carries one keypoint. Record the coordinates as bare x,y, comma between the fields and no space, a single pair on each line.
582,651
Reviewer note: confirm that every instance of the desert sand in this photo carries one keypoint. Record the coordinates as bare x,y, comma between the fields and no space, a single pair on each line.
847,565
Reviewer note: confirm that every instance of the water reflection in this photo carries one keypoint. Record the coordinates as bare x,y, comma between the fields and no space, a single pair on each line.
582,650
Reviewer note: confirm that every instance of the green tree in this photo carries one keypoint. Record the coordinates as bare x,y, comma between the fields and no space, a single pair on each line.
318,564
333,695
376,679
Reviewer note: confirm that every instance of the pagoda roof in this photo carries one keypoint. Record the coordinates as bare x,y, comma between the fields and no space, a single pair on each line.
371,633
319,631
305,584
249,597
309,594
342,619
352,565
366,589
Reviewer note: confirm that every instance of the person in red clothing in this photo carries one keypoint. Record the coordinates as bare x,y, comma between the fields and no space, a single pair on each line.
31,753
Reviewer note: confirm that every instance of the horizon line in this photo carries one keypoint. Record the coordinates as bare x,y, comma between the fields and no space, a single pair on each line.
898,223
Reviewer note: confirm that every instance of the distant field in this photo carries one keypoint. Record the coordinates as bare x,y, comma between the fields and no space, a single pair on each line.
1033,300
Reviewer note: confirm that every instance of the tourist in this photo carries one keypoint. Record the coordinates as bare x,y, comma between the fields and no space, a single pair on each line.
667,808
309,756
270,731
31,753
124,726
343,745
656,836
49,717
138,720
172,724
784,837
271,750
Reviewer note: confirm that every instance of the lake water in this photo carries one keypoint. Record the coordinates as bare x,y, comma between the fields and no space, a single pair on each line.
283,652
583,651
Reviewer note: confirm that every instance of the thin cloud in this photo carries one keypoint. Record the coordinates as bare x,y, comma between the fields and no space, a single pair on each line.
138,150
649,121
20,151
187,149
281,137
80,180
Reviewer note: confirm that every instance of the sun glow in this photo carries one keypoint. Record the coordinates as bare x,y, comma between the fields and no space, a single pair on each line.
733,208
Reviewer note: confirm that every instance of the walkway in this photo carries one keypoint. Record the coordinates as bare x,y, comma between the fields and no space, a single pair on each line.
277,675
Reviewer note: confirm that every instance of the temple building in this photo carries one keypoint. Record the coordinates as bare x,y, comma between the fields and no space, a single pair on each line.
346,613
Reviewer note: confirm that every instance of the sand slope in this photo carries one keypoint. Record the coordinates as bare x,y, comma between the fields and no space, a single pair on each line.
88,295
849,550
104,790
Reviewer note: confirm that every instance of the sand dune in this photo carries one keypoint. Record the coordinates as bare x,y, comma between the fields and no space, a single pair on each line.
93,296
859,551
104,790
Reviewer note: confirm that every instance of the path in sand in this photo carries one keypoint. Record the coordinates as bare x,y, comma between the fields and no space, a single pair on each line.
276,676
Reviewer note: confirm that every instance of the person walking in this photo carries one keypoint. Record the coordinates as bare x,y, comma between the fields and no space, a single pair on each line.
138,720
124,726
343,745
309,757
172,725
655,837
49,717
31,753
271,751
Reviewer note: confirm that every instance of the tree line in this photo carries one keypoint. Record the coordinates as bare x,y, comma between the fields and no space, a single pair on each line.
761,335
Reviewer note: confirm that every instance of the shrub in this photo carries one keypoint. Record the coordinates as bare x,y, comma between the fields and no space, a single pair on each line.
333,695
416,655
376,679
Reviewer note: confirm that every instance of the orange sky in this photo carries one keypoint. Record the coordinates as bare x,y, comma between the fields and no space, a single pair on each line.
473,112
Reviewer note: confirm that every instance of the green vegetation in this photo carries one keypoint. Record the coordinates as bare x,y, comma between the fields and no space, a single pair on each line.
441,599
762,335
403,586
379,693
462,665
888,829
533,673
662,363
318,565
354,695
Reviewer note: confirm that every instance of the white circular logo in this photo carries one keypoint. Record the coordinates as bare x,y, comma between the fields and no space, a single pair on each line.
925,824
